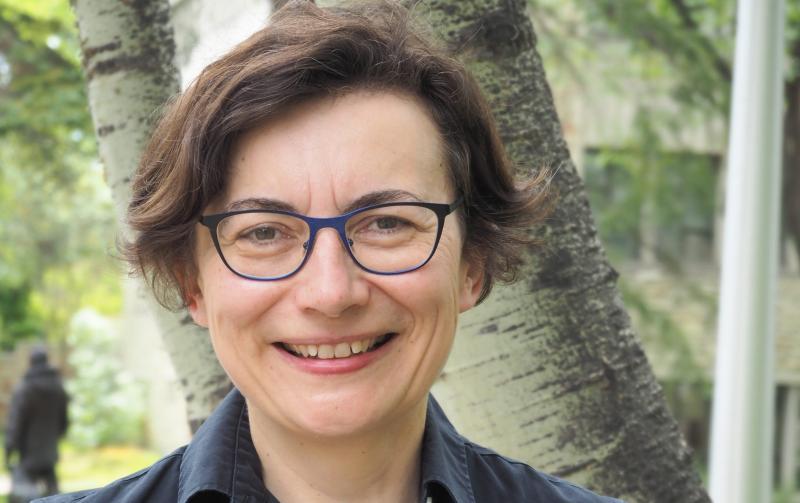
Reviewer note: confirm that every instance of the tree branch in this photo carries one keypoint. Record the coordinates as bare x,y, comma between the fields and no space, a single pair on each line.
721,65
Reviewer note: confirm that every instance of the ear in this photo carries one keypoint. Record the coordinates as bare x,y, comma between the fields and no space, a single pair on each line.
471,283
195,303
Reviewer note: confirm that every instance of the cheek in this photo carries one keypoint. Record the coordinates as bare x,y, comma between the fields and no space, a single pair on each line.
431,294
235,305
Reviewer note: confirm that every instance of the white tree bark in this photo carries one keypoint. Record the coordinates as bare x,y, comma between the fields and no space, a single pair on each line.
549,370
128,53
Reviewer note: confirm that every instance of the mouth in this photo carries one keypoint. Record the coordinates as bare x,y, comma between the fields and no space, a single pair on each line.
338,351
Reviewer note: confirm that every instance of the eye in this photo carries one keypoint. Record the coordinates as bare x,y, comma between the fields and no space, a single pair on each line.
384,223
264,233
387,224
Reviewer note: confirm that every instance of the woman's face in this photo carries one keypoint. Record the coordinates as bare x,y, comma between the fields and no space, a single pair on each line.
318,159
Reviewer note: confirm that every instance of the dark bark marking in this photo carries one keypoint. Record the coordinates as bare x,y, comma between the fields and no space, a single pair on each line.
141,62
483,362
555,269
523,375
90,52
153,50
497,33
566,471
536,420
512,328
106,130
488,329
538,439
535,328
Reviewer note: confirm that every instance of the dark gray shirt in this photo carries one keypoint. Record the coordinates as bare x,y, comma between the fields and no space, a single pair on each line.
220,465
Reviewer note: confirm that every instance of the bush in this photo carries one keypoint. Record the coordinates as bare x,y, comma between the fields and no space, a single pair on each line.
106,403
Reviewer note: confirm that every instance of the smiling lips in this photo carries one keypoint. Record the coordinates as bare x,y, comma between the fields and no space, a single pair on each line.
336,351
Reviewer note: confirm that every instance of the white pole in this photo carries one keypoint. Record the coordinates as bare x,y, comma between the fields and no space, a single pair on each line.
742,420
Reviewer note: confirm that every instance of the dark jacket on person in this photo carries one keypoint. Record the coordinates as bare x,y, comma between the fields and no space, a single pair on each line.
37,417
220,465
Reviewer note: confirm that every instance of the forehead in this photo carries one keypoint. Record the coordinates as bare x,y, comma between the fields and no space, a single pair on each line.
327,152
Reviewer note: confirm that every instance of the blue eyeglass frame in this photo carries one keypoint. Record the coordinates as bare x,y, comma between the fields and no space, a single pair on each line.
338,223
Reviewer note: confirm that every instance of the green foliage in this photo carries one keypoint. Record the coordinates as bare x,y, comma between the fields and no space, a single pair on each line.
664,335
81,468
793,39
40,47
15,320
107,404
56,217
673,191
694,39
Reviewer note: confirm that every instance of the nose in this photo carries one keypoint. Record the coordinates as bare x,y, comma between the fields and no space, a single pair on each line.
330,282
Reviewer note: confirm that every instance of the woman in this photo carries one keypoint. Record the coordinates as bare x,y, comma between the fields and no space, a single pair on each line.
326,199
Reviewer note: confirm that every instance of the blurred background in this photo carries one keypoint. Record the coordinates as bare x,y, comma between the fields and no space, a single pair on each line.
642,90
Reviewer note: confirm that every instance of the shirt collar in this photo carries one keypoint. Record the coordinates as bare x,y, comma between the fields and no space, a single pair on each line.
444,458
222,458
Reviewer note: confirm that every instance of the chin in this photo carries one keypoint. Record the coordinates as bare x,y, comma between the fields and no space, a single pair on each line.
338,419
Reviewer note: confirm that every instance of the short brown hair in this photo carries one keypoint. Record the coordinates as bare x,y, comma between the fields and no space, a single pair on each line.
307,52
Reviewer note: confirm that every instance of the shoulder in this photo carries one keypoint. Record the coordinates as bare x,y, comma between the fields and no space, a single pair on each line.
156,484
498,478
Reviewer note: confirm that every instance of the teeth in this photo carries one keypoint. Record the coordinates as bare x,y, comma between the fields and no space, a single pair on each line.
340,350
325,351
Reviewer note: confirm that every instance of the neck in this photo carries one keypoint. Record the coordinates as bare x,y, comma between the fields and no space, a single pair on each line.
381,465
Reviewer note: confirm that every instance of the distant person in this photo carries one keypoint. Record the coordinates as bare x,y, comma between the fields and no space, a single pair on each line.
36,420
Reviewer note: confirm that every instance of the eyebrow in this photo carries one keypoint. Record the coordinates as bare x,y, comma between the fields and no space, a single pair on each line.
380,197
369,199
259,203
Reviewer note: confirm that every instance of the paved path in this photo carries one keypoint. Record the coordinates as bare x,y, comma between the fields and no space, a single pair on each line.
5,484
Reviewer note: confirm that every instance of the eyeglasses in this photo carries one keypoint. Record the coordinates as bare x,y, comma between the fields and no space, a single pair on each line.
388,238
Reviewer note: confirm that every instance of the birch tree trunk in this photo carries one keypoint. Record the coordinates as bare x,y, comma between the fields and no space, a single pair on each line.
548,370
128,52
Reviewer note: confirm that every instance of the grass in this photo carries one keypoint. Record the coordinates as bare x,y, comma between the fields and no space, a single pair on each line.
87,469
3,475
90,468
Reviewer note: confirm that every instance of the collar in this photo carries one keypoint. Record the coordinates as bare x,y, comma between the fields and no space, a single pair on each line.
222,458
444,459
